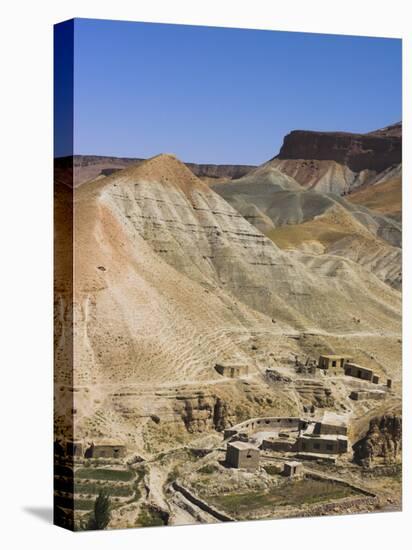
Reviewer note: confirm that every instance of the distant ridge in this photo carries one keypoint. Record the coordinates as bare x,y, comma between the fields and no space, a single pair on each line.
88,167
329,161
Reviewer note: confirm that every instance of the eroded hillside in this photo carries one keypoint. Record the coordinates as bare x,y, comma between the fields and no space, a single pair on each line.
170,279
316,223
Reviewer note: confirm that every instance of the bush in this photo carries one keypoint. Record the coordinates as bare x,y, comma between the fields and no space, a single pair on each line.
208,469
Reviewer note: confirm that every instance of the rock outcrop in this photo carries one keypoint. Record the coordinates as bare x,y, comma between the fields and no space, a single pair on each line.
340,162
203,412
383,440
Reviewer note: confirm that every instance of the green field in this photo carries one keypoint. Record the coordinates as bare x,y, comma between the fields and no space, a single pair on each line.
90,481
290,494
79,504
104,474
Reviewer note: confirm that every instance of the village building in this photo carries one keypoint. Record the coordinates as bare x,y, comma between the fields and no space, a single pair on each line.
332,361
240,454
361,395
310,443
106,449
293,469
232,370
325,436
331,423
356,371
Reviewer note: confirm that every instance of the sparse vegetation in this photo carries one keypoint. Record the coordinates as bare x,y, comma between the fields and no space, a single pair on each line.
101,512
289,494
150,517
208,469
172,475
272,469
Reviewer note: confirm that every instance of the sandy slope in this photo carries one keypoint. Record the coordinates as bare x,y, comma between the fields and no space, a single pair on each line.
384,197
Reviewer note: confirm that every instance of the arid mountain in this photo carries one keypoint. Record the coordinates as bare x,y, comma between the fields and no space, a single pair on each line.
392,130
375,151
317,223
339,162
331,162
171,280
164,266
384,196
88,167
173,275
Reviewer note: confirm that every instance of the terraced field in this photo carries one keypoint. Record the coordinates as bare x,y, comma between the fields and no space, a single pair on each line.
304,492
121,484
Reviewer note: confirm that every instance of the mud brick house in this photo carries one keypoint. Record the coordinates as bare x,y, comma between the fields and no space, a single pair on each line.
240,454
232,370
293,469
352,369
106,449
332,361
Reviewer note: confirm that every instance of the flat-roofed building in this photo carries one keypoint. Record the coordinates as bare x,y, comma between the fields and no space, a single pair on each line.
232,370
332,361
326,436
240,454
322,444
332,423
106,448
360,395
363,373
293,469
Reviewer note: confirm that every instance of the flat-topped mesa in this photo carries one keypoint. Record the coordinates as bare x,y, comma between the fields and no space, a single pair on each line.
375,151
392,130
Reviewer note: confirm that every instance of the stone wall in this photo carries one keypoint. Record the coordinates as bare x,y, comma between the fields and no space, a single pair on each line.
265,423
203,505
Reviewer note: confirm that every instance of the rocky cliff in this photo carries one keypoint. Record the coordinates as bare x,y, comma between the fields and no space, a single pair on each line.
392,130
383,440
375,151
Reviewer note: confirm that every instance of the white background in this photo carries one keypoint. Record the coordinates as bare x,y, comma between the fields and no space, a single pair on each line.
26,270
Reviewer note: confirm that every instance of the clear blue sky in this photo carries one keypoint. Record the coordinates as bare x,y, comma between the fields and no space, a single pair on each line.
224,95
